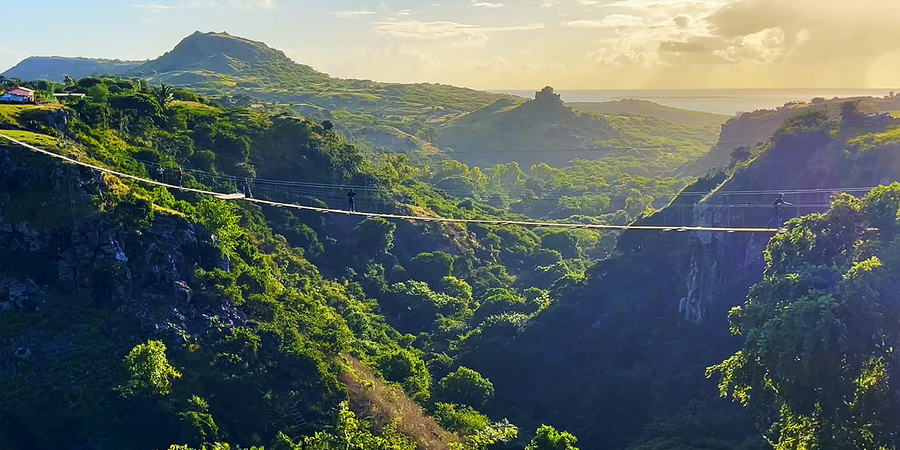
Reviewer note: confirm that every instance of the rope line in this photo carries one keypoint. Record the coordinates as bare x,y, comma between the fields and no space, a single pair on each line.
232,196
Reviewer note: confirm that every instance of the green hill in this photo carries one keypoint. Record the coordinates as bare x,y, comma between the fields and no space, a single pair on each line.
649,109
219,63
54,68
545,130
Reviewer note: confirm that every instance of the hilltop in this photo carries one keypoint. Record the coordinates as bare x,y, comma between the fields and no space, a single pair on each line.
545,130
646,108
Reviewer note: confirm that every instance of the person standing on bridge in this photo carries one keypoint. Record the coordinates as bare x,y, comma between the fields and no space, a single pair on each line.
350,203
159,173
776,211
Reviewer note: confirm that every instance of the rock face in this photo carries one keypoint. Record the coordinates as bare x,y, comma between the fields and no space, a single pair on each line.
70,248
721,264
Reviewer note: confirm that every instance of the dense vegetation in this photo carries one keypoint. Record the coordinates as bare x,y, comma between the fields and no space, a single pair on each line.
276,321
142,316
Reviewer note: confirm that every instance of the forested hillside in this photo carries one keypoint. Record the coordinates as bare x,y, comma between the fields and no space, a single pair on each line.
619,359
182,319
135,315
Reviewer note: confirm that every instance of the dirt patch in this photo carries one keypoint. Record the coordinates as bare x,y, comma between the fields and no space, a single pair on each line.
381,403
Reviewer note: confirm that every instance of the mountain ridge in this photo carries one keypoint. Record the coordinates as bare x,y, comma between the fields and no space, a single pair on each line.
54,68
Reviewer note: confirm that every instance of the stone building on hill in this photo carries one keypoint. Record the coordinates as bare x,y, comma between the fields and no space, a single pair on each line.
546,95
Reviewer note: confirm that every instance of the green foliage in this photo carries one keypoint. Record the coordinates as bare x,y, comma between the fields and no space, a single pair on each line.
816,332
431,267
474,428
466,387
200,421
221,219
374,236
547,438
98,93
352,433
150,370
406,367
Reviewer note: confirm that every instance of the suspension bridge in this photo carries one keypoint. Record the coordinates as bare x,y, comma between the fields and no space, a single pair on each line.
806,200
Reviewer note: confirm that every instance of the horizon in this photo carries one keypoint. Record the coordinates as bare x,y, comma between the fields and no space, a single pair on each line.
490,46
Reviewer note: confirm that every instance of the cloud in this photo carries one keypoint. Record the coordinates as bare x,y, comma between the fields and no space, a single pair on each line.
446,30
683,21
414,29
352,14
548,3
487,5
754,42
682,47
612,21
253,4
153,7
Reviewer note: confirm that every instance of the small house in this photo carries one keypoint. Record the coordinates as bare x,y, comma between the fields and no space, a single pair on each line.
18,95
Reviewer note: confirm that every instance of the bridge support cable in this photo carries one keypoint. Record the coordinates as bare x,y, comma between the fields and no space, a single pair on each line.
437,219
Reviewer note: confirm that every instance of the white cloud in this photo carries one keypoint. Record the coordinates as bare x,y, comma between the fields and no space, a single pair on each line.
548,3
414,29
487,5
446,30
153,7
352,14
612,21
253,4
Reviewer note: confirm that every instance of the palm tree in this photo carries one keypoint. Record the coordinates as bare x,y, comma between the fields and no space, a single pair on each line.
163,94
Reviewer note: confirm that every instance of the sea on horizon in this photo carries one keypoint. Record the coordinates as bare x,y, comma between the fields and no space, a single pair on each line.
718,101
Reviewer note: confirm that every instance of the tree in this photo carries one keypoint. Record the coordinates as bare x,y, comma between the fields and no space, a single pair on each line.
98,93
466,387
547,438
68,81
374,236
851,115
150,370
818,366
406,367
431,267
163,94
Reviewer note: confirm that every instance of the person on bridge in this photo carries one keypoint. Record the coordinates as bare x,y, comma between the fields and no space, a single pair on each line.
180,175
776,211
350,203
159,173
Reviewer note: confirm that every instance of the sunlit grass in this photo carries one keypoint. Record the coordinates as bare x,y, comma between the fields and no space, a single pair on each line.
35,139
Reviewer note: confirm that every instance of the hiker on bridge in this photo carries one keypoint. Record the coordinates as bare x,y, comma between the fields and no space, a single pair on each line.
159,173
350,203
776,211
245,188
180,175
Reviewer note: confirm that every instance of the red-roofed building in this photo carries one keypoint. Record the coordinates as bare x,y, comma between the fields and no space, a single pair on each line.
18,95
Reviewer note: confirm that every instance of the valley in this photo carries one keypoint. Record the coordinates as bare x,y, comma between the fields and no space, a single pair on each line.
140,312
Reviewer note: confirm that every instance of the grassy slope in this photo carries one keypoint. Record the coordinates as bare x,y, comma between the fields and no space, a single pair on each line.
532,128
647,108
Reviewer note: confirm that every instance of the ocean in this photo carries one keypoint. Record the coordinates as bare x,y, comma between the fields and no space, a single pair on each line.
719,101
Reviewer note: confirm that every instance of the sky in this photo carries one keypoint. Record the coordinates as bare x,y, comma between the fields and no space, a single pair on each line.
503,44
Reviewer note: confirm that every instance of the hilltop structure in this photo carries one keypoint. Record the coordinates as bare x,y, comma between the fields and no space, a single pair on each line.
547,96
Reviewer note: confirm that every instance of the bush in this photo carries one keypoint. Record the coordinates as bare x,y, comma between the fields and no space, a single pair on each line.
466,387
